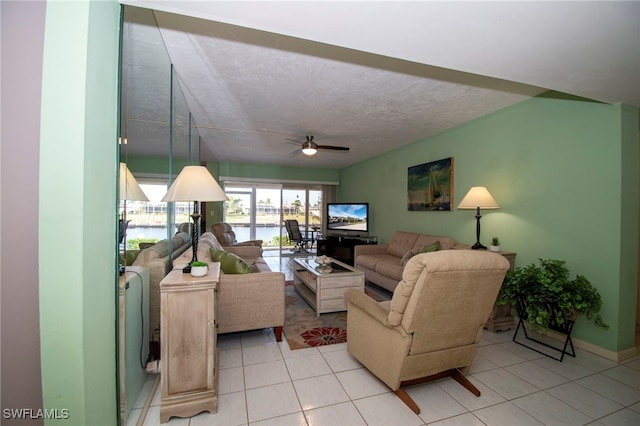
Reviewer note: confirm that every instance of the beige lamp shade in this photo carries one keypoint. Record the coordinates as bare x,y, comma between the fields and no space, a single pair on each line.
478,196
129,188
195,183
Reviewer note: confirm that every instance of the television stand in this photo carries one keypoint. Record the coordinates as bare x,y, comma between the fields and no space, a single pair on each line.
341,247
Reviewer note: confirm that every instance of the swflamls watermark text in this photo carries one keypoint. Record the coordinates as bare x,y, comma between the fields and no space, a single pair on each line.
36,413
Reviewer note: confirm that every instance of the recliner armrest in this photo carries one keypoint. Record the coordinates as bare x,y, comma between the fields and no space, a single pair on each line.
367,304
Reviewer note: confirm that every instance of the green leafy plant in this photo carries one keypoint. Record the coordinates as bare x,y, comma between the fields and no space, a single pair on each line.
198,263
546,296
132,243
495,241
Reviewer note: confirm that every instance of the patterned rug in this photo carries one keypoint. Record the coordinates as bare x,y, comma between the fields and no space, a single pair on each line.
303,329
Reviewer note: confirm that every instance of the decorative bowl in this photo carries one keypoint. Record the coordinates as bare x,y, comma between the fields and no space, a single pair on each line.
323,260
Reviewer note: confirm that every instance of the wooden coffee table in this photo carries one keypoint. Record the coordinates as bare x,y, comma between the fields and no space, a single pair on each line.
323,287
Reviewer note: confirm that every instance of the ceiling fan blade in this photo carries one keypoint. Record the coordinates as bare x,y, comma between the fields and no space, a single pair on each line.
335,148
293,140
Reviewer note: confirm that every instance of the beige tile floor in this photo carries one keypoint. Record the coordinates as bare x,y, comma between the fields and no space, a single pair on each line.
262,382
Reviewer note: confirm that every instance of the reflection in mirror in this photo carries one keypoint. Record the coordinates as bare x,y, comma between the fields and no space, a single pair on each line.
157,139
144,115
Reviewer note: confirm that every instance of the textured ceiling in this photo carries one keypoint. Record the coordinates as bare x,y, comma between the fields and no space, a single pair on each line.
250,90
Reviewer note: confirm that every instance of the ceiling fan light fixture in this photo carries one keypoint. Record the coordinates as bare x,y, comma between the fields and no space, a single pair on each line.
309,148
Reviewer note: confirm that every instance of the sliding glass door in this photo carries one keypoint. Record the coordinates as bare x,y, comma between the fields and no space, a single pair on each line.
258,211
304,204
253,211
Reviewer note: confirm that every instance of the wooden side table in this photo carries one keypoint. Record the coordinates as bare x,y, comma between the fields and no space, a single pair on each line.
501,318
189,359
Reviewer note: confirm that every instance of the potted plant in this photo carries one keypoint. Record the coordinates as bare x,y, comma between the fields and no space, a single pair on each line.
495,244
199,269
546,297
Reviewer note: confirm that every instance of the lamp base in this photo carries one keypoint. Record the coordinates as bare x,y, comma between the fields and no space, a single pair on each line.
186,269
478,246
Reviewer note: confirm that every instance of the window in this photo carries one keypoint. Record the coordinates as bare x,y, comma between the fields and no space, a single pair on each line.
148,219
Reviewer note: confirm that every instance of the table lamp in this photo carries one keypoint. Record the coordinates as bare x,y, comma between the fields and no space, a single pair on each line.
194,183
478,197
131,191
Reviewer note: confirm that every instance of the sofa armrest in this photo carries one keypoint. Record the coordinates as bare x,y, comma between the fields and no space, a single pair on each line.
368,249
257,243
245,252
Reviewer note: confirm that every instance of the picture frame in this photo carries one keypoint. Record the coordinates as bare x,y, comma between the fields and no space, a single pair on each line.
430,186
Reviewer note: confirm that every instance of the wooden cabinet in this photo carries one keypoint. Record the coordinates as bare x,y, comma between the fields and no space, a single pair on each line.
188,360
342,247
501,318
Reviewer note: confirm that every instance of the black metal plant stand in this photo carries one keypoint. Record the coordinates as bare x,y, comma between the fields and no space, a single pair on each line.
565,329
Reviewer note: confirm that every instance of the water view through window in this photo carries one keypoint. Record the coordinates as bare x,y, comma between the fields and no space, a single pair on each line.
255,212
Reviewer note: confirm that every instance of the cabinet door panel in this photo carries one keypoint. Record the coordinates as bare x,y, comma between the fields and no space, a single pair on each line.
187,341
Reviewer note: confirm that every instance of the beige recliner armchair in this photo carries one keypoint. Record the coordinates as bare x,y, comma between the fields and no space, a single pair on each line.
431,327
226,237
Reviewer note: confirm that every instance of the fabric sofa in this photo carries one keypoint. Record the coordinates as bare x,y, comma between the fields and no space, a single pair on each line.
244,301
156,258
383,264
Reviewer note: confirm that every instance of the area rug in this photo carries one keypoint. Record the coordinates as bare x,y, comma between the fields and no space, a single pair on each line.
303,329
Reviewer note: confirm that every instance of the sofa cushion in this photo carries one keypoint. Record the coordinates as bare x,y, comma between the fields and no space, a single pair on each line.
370,261
233,264
401,242
259,265
426,249
390,269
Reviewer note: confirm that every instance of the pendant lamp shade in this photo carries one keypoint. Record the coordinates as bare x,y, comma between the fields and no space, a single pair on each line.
195,183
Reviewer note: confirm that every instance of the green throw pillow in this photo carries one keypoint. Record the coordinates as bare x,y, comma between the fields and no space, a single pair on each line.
216,254
431,247
128,257
233,264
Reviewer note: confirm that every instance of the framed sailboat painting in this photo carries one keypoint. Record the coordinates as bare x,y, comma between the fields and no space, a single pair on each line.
430,186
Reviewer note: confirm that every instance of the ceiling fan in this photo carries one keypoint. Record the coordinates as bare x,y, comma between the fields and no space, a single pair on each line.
309,147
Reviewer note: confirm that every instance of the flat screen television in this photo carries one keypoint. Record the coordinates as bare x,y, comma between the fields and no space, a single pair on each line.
348,218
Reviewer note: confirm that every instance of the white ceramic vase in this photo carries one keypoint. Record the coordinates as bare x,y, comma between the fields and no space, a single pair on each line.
198,271
494,248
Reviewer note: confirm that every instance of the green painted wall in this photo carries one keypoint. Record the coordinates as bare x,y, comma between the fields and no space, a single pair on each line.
78,167
565,174
263,171
155,165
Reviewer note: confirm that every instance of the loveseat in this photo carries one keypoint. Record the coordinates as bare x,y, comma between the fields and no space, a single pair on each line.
245,301
383,264
156,258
